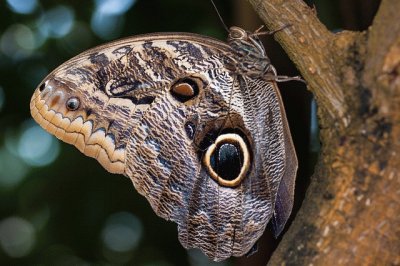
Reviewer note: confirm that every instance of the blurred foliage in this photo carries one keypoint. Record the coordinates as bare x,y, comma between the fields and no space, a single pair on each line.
59,207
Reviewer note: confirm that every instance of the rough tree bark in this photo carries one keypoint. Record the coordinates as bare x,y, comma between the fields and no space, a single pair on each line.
351,213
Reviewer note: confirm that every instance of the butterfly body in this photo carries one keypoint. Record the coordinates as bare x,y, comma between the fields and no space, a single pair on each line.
192,122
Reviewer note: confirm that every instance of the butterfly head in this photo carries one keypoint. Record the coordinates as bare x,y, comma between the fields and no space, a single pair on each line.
69,109
237,33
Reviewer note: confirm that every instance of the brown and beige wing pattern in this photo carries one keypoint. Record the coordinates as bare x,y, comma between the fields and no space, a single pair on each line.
206,145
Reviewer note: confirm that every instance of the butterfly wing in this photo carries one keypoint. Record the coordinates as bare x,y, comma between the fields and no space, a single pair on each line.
273,150
285,196
150,107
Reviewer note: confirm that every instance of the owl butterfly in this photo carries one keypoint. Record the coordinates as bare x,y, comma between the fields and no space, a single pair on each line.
197,124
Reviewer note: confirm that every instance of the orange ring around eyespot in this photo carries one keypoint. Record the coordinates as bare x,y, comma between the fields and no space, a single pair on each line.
233,139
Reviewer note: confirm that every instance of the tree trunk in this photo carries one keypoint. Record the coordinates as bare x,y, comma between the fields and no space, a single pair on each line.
351,213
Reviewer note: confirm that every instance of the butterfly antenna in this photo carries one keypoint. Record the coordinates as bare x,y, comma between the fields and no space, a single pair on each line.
219,15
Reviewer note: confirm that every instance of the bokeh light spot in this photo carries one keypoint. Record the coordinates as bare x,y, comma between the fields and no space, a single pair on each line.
57,22
18,41
12,169
122,232
106,26
24,38
17,237
113,7
22,6
37,147
107,19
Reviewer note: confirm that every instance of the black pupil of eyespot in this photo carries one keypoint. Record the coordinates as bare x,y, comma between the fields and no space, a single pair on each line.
73,104
227,161
42,86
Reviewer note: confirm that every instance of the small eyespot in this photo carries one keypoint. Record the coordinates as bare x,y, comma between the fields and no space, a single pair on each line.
73,103
41,87
190,129
185,89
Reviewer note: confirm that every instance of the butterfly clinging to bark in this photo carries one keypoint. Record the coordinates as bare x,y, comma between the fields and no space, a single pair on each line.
197,124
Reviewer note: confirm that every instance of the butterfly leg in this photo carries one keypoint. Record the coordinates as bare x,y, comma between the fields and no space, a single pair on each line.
258,31
283,78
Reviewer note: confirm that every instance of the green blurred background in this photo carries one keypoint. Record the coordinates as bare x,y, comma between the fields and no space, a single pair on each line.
58,207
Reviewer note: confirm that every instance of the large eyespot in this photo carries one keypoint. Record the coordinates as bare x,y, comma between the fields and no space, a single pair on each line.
73,103
186,89
227,160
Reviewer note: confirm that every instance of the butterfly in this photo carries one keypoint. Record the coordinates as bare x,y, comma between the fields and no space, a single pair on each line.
197,124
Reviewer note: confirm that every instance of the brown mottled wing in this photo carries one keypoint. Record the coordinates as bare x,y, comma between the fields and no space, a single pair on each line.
166,166
131,123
